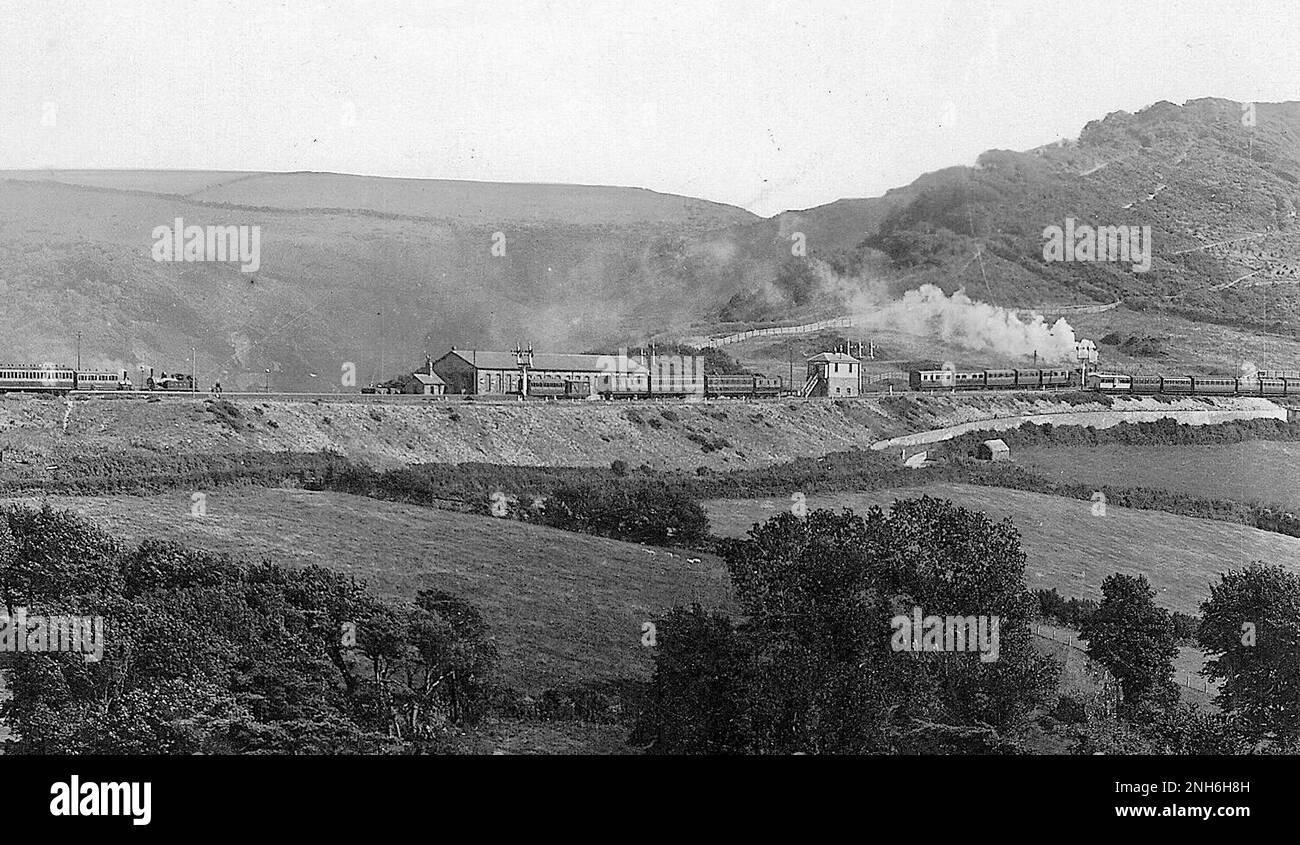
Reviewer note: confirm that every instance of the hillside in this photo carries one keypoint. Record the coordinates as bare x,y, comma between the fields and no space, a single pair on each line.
1217,186
35,435
474,203
1069,548
562,608
353,270
1218,190
376,272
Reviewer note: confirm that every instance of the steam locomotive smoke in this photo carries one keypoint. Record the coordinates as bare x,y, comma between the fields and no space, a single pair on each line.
958,319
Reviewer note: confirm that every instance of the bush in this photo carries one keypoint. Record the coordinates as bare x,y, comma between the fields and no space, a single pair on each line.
640,511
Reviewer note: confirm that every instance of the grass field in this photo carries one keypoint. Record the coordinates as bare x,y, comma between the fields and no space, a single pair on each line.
1070,549
562,607
1258,471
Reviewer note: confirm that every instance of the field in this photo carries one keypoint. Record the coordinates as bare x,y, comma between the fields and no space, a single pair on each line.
1261,470
563,608
1067,547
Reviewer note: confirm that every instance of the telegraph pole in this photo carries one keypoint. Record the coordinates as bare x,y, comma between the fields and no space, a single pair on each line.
194,373
78,351
524,360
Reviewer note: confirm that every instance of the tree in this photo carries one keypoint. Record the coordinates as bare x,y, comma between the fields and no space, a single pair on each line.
814,668
1250,625
8,559
643,510
1134,639
698,699
205,654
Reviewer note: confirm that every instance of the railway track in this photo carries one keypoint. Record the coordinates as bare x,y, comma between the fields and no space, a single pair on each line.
462,399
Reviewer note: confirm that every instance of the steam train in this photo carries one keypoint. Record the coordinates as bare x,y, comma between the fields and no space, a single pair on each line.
1133,384
61,380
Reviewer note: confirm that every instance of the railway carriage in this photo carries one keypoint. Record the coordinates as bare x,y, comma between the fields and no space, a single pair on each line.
1029,378
1146,385
729,385
1060,377
1110,382
1000,378
98,381
1215,385
1275,387
37,378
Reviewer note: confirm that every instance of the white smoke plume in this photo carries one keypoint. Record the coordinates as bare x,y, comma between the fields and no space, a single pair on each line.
979,326
930,313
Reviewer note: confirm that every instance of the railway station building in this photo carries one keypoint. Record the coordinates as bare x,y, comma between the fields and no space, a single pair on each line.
427,383
488,372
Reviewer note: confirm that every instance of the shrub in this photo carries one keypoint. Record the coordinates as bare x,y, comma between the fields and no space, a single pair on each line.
640,511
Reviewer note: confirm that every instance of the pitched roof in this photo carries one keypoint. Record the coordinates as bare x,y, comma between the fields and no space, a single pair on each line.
486,359
835,357
425,378
997,445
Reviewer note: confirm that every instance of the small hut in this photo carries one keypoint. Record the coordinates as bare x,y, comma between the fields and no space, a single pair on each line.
993,450
428,383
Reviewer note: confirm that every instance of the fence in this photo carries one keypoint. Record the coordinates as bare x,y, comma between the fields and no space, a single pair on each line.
1046,311
834,323
1181,677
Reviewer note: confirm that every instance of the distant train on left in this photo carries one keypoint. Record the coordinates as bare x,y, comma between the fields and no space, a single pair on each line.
61,380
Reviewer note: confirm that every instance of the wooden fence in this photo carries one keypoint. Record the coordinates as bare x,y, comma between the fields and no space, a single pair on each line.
834,323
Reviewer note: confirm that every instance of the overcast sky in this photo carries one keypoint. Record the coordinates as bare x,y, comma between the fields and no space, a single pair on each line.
767,105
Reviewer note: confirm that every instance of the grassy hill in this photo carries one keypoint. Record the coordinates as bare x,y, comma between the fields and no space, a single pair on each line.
563,608
376,272
1195,174
477,203
1257,471
1069,548
1220,198
353,270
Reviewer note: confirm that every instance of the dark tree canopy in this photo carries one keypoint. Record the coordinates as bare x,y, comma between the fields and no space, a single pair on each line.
1250,626
1134,639
205,654
813,667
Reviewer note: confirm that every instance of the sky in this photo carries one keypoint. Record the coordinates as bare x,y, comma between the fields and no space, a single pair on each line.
765,104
